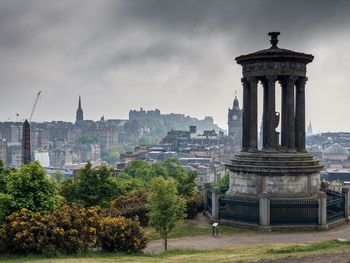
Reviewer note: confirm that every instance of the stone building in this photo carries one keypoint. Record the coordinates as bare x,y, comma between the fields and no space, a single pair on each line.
57,157
3,149
14,154
335,156
40,139
11,131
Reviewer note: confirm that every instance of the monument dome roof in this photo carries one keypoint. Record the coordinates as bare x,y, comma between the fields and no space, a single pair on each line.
275,53
335,149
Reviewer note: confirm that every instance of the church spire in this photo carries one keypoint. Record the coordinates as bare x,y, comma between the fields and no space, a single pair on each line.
309,129
80,114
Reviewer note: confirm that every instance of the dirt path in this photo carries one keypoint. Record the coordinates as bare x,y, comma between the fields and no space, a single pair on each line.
210,242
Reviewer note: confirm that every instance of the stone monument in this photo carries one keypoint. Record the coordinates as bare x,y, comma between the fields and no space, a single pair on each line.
277,186
280,169
26,143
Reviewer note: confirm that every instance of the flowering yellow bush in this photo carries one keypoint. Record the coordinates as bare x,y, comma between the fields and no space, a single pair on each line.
25,232
69,229
121,234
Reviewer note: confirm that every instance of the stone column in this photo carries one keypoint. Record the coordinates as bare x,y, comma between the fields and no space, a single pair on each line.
205,193
253,112
290,114
345,192
264,209
284,113
271,112
246,115
215,206
300,114
322,208
264,124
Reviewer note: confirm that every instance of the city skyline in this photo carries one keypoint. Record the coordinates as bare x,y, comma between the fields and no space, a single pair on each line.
174,56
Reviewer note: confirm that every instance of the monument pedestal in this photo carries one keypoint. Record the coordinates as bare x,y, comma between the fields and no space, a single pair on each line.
280,174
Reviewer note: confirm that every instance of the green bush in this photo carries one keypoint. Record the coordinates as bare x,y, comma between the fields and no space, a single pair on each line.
5,206
194,204
121,234
131,206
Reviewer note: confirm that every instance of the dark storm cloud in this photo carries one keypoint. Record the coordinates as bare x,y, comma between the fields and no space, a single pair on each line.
243,17
178,54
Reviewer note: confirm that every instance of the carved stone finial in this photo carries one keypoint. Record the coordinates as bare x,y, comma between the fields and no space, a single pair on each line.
274,38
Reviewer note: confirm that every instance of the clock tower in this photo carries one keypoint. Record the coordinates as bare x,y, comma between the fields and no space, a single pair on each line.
235,123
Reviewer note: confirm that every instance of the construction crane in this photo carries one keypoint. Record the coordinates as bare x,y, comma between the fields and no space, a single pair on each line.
34,106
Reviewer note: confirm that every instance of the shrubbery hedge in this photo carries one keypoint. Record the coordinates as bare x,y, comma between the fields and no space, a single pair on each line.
69,229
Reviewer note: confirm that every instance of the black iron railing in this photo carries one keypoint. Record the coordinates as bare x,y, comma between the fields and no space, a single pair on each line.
239,209
293,212
209,201
335,205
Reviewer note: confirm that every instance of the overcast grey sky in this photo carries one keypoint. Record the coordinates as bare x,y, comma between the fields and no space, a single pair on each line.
177,56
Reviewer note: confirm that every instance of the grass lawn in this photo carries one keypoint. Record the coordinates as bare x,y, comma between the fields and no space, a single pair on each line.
235,254
193,228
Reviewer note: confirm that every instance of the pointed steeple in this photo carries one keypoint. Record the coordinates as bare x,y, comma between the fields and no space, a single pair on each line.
235,101
309,129
80,114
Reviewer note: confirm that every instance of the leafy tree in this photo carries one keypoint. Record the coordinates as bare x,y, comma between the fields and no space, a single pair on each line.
4,173
186,184
5,206
173,167
2,178
224,182
95,186
166,208
58,178
68,190
158,169
136,166
127,184
30,187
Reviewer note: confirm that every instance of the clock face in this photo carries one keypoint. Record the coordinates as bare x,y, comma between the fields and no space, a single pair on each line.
234,118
